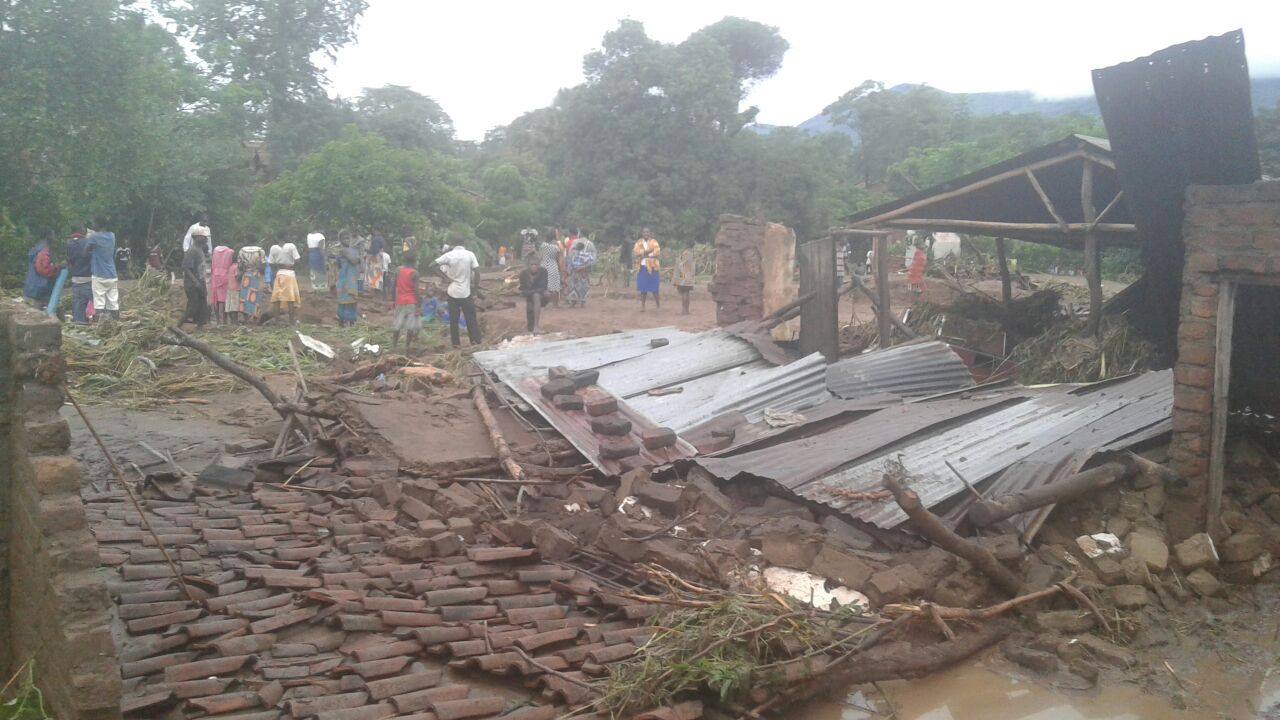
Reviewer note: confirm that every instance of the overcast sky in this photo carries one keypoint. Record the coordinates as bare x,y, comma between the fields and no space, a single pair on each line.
489,61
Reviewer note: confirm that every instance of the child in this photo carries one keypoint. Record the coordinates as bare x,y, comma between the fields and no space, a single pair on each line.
533,286
408,315
684,279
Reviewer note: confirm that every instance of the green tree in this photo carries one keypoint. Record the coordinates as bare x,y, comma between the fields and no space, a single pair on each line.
407,119
889,123
361,183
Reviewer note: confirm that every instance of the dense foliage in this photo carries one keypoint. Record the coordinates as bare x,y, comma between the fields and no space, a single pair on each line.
148,115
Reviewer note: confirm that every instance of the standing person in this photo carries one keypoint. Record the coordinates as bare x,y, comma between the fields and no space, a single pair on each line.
549,252
41,272
154,261
102,263
193,283
316,262
284,292
533,284
684,279
648,281
220,281
374,269
528,243
81,272
408,315
461,268
268,274
199,228
915,275
582,257
347,286
252,263
502,257
232,306
388,289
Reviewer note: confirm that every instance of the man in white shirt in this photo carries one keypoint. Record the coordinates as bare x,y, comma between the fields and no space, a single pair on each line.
461,268
200,228
316,262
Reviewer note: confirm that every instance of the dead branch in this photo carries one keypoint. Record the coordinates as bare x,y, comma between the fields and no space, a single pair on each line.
900,661
951,613
370,370
939,534
512,468
226,363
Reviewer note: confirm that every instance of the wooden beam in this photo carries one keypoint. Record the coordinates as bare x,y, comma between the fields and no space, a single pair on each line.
819,325
1092,260
971,187
884,325
974,227
1044,198
1006,285
1107,209
1221,398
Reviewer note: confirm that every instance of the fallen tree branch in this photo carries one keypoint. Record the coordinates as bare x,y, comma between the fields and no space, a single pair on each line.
855,282
226,363
952,613
512,468
988,512
928,525
900,661
370,370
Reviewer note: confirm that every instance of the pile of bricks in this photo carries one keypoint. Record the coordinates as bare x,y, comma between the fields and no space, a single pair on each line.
377,605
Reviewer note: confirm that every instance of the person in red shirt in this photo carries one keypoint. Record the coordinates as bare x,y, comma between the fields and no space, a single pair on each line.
408,312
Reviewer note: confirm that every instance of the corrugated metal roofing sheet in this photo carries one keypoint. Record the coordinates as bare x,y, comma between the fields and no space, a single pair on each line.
912,370
515,362
703,354
673,410
987,445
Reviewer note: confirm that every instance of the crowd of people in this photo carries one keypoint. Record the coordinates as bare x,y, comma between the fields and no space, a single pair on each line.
250,284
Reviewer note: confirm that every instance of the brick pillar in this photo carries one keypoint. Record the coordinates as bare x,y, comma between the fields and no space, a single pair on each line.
58,611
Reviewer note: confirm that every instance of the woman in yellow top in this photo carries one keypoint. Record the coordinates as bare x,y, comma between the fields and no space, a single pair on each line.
648,281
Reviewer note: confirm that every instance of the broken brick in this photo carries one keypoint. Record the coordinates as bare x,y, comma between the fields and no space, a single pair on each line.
567,402
558,386
658,437
583,378
600,403
618,448
613,425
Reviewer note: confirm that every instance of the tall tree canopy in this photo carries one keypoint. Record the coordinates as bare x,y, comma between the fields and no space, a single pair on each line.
406,118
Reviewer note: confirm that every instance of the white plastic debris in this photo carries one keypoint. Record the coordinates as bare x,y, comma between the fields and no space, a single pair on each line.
1099,545
777,418
811,589
359,347
315,346
573,508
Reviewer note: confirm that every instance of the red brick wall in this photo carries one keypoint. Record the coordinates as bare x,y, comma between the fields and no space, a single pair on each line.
1229,231
54,606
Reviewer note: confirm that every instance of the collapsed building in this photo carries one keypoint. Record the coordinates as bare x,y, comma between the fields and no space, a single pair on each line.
898,502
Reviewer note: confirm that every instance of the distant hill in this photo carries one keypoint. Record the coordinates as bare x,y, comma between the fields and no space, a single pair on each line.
1266,94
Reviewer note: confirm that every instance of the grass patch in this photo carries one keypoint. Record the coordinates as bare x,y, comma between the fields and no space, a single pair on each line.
20,699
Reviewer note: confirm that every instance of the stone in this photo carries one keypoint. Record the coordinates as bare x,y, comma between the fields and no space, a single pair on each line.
611,425
1099,544
658,437
447,544
1196,552
554,543
463,527
1006,548
895,584
1065,621
1107,653
1034,660
1136,572
1204,583
662,496
1109,570
1150,548
614,539
1154,497
1246,572
668,553
617,448
793,551
1243,547
408,547
959,590
520,531
557,386
1127,597
1272,507
841,567
846,533
1039,576
659,342
556,372
567,402
701,495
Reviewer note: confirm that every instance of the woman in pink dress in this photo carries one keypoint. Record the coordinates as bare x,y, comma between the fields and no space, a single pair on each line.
219,280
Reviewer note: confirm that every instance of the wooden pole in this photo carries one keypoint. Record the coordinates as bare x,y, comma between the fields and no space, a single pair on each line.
1006,286
1092,261
230,366
1044,198
884,307
508,463
977,227
1221,406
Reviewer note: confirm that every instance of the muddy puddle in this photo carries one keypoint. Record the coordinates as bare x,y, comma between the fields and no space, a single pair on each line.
977,692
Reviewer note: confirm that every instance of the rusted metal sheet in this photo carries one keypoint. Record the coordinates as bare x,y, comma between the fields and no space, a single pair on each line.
520,361
912,370
575,426
703,354
797,463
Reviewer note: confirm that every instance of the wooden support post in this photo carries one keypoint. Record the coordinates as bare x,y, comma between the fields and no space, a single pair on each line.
819,329
1092,260
884,323
1006,287
1221,386
1044,198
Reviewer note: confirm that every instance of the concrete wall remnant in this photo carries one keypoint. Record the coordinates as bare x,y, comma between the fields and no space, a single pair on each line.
54,605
